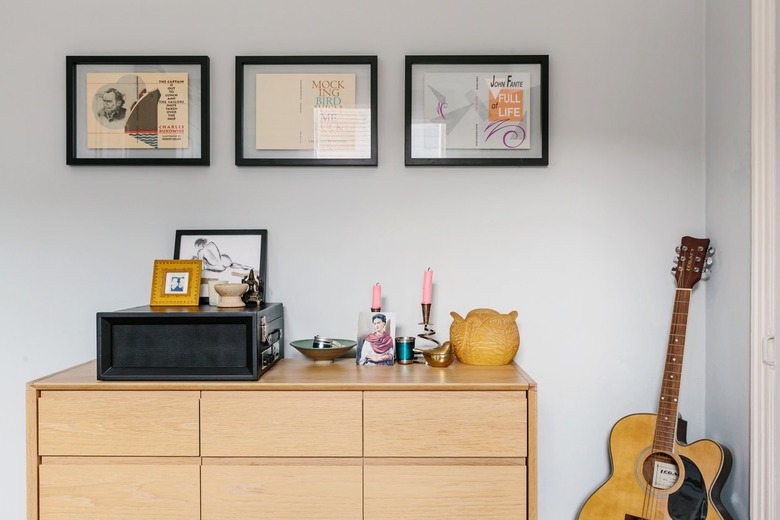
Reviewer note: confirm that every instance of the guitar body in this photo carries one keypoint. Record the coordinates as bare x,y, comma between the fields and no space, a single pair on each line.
693,494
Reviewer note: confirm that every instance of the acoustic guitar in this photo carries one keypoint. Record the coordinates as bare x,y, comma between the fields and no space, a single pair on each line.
655,475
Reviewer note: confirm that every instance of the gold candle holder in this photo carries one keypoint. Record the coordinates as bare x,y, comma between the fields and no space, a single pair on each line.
428,332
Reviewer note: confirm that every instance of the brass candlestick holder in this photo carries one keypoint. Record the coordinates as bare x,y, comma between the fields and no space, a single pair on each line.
428,332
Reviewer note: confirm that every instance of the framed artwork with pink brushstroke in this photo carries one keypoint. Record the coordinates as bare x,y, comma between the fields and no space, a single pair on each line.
306,111
476,110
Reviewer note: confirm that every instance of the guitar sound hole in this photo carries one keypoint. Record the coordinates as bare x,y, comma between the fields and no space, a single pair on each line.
660,470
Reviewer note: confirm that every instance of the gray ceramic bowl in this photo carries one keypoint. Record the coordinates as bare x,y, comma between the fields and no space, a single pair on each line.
323,356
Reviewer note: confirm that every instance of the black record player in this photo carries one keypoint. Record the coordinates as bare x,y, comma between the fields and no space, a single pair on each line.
189,343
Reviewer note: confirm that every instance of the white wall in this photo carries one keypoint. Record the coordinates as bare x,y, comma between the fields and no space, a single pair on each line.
728,222
582,248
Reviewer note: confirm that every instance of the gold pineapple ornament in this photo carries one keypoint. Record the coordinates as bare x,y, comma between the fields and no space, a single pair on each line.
485,337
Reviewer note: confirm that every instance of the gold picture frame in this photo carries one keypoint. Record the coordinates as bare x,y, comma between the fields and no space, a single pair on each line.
176,283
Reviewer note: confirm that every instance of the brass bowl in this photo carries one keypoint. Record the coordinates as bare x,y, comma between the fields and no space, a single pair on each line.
323,355
440,357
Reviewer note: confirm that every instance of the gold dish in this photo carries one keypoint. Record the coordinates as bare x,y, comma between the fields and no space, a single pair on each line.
441,356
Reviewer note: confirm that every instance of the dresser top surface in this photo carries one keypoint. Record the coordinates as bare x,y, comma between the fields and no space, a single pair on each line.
302,374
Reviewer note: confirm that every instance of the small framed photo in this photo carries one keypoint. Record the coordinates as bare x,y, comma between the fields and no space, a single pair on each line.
225,255
137,110
175,282
376,338
306,111
476,110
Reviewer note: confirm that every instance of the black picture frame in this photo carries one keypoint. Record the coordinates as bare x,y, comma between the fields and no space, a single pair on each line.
340,141
475,110
243,248
149,127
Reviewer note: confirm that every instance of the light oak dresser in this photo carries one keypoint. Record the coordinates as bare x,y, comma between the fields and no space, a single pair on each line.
303,442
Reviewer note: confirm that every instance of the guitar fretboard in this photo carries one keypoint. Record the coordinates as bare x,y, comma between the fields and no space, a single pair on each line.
666,420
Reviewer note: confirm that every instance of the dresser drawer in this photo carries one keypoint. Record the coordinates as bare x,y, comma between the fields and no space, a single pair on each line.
130,488
126,423
282,489
446,424
445,489
281,424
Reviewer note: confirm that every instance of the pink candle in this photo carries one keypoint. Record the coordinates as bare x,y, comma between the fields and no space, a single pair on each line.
376,297
427,286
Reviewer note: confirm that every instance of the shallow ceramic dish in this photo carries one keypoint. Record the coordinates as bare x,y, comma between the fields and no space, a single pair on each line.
323,356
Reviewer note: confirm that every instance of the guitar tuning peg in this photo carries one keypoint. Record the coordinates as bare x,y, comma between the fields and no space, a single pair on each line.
674,270
677,249
709,261
711,251
705,274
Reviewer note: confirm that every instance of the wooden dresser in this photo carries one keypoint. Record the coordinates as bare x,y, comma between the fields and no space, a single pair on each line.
303,442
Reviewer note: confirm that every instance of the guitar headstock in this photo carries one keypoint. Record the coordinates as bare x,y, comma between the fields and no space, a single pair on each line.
694,262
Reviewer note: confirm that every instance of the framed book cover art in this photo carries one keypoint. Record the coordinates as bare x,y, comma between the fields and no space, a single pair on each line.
306,111
476,110
137,110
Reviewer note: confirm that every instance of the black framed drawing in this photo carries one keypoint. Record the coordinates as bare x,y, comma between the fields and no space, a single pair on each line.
476,110
137,110
306,111
228,255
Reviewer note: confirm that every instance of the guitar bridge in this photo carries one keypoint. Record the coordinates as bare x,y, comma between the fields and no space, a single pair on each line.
632,517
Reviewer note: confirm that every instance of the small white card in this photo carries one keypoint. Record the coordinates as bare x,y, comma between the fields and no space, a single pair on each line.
664,475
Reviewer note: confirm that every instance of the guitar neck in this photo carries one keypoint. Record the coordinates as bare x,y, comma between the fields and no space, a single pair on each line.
666,420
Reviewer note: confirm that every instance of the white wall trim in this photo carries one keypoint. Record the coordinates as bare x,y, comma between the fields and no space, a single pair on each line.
762,343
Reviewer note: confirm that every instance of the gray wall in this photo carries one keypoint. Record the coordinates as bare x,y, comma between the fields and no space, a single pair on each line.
582,248
728,222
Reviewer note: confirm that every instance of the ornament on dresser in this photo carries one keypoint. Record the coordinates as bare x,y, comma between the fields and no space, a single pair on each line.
230,294
485,337
254,292
440,356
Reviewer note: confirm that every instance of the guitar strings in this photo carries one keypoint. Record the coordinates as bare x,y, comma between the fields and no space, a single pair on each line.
652,503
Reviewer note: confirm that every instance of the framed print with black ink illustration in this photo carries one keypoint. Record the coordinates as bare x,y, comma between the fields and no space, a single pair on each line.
306,111
227,255
476,110
137,110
